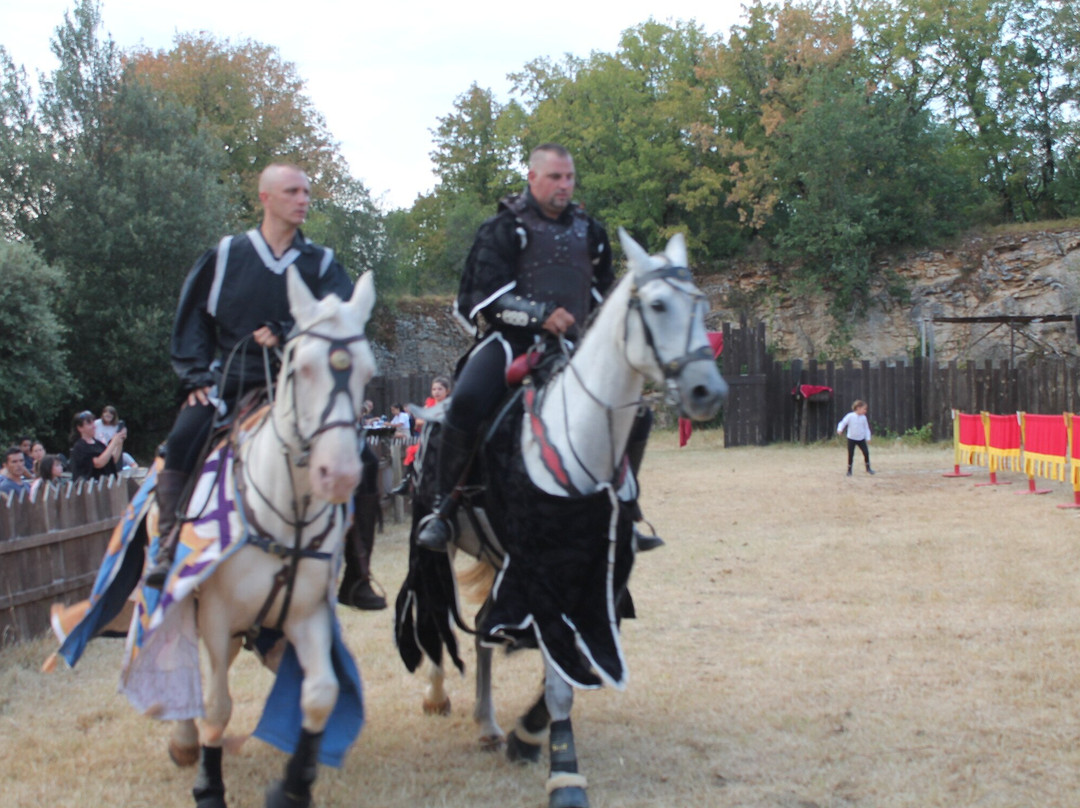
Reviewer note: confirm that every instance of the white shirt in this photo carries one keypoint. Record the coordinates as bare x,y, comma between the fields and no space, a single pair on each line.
104,432
858,428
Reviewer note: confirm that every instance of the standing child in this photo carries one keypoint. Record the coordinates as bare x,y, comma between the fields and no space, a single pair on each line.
858,433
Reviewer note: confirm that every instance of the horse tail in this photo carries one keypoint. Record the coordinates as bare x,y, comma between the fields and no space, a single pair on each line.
476,581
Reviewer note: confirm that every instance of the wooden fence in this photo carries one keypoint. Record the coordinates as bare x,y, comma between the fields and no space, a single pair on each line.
51,547
902,396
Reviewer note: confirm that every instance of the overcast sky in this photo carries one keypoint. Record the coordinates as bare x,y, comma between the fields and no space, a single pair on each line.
381,73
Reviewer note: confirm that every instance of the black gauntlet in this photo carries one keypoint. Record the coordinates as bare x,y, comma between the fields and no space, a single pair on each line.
517,312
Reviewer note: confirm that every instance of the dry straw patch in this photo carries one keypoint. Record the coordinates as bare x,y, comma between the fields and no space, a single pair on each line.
804,640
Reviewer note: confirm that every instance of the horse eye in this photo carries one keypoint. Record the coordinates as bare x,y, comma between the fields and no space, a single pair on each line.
658,306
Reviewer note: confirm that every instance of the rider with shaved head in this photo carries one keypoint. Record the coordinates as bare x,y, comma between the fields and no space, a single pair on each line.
233,304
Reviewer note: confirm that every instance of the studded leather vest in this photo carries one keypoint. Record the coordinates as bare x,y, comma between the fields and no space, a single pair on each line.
555,265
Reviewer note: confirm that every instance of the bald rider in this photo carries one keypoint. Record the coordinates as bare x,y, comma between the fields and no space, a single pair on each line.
235,295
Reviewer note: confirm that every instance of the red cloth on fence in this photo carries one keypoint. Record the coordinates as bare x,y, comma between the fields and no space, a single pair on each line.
686,426
1004,432
716,340
1076,437
807,390
971,430
1046,435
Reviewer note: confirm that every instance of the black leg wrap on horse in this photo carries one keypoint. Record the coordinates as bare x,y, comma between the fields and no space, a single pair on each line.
568,797
519,751
209,790
302,767
561,747
565,786
537,719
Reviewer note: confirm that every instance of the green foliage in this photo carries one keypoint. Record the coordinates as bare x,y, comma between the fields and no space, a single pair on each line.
33,374
918,435
252,101
349,219
632,120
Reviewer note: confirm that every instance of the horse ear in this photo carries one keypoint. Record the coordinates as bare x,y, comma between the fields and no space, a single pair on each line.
363,297
676,250
635,253
301,301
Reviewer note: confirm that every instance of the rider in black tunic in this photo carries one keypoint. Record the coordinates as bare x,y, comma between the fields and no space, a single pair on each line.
539,265
236,290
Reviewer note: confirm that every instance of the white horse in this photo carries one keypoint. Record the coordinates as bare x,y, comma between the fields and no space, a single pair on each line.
572,443
293,476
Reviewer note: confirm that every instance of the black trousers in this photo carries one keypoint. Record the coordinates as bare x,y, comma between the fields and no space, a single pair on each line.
480,386
851,444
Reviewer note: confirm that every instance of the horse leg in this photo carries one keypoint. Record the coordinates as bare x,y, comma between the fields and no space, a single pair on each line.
491,734
436,701
209,789
529,733
565,786
312,638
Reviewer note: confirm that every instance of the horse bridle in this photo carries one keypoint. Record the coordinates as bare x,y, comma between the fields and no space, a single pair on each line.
668,274
340,360
671,368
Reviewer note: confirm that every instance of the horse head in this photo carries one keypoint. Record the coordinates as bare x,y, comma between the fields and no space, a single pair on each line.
327,364
666,340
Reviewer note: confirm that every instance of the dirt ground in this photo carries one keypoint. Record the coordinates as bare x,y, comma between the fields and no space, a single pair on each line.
804,639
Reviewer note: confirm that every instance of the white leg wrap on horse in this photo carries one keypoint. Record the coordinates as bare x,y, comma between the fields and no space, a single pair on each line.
566,780
534,738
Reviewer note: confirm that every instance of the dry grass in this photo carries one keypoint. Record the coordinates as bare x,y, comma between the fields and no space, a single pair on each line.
804,640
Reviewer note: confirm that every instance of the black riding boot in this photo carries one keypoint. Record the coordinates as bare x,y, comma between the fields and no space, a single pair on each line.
635,453
356,589
402,488
169,491
455,454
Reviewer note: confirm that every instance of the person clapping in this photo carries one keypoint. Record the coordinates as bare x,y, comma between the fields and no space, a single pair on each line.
90,458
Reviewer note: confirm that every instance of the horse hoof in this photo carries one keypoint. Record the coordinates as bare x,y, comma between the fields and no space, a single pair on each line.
568,797
183,756
277,797
491,743
518,751
436,708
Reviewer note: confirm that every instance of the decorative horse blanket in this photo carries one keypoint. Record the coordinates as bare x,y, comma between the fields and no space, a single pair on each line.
161,669
563,579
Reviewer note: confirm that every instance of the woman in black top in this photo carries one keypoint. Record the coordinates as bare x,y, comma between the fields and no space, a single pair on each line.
90,458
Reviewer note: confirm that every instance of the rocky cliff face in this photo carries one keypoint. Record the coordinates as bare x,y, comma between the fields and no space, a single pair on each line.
1032,273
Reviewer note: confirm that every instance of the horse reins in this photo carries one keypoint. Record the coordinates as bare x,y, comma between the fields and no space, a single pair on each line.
670,368
341,364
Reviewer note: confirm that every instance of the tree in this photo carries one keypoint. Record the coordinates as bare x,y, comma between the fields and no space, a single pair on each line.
477,148
350,220
33,374
251,100
631,121
131,195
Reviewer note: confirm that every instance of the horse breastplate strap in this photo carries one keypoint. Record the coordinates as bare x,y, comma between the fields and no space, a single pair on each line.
555,267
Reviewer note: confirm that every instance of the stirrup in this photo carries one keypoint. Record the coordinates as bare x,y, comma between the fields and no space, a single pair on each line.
644,542
157,575
436,532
